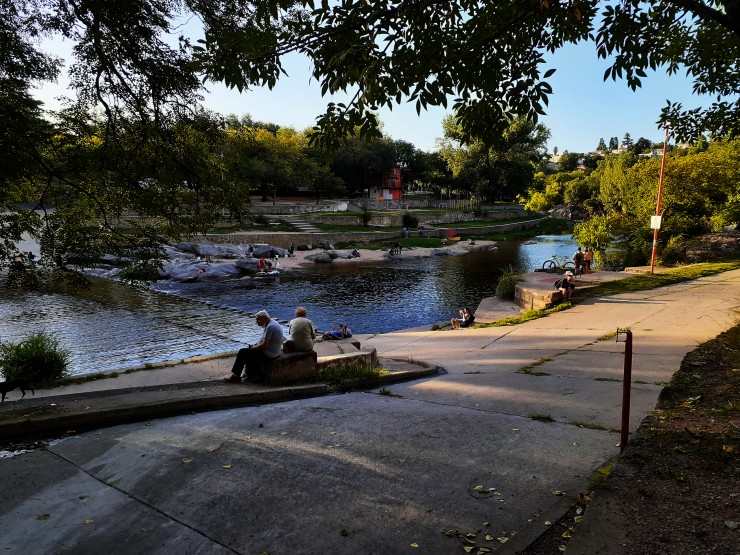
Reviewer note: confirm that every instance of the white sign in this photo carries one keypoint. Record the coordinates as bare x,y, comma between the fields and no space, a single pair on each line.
655,222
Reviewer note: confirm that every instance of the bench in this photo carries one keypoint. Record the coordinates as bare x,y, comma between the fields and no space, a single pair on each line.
290,367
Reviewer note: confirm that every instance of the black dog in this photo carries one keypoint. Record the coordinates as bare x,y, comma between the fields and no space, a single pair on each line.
10,385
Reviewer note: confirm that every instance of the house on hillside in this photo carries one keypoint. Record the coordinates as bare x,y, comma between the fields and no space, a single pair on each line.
391,187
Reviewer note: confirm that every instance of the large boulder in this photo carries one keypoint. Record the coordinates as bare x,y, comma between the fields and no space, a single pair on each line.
344,254
320,257
191,271
199,249
247,264
263,251
230,251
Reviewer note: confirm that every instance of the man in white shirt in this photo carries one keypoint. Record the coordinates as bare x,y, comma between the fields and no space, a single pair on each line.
248,364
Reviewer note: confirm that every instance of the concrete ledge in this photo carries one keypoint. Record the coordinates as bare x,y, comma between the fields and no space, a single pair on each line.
368,357
538,299
291,367
76,414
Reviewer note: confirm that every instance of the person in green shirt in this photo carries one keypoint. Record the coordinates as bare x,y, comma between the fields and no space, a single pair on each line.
302,332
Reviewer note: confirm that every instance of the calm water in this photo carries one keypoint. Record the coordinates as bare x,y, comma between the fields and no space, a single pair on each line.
113,327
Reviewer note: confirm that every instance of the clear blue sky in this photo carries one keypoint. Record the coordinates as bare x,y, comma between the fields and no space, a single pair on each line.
583,108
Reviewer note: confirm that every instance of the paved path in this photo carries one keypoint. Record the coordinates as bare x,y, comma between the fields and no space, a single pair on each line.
371,473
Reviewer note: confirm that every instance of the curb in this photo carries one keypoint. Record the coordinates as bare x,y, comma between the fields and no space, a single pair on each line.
145,403
127,413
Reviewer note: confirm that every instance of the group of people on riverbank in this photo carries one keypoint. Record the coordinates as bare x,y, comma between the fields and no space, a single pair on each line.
248,364
583,260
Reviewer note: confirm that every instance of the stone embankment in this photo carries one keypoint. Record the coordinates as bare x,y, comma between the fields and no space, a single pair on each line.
284,239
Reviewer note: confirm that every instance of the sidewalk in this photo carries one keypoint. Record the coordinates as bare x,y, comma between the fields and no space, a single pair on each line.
519,413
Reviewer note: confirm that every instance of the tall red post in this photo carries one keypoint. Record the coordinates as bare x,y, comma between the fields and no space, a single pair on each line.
657,206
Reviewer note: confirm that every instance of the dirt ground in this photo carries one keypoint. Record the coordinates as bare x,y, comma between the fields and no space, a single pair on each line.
676,488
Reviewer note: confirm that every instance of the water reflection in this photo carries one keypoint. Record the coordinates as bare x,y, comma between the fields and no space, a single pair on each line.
112,327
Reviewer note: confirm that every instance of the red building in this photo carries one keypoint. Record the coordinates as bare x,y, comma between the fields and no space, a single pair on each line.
391,189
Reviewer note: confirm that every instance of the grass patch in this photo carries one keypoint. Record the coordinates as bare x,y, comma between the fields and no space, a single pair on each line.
387,392
359,228
607,380
591,426
529,368
526,316
607,336
385,244
460,226
599,476
360,374
271,226
645,282
541,417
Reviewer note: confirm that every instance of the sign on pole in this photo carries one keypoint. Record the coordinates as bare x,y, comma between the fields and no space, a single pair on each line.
655,222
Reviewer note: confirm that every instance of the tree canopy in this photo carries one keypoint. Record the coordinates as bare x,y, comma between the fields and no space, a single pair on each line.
489,57
134,136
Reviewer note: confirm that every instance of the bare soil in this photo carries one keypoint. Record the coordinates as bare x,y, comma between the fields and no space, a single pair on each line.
677,489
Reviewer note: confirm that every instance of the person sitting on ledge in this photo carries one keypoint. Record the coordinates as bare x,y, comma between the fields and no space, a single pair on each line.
568,285
466,319
248,364
302,333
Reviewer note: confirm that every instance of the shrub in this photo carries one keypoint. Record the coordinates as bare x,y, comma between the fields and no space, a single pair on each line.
611,261
409,220
479,211
507,283
39,358
674,252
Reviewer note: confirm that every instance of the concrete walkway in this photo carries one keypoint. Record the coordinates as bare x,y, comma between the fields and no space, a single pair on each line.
412,470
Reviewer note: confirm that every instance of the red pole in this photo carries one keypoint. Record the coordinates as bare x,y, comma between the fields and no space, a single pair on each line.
657,206
626,388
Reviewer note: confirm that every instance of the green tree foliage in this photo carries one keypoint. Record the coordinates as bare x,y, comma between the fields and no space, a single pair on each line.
498,172
642,145
490,57
613,143
361,163
568,161
700,192
137,90
602,145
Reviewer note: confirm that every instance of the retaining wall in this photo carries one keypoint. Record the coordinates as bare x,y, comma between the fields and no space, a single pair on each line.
284,239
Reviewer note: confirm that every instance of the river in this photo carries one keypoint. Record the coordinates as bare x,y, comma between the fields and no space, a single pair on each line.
113,327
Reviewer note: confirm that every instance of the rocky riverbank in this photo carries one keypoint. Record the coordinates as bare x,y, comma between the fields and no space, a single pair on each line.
188,262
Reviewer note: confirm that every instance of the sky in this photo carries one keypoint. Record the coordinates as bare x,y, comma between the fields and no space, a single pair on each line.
583,107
